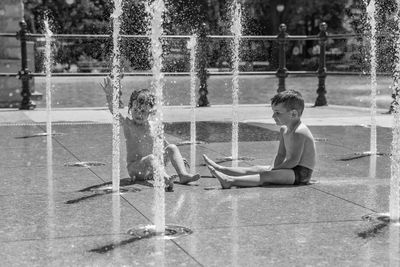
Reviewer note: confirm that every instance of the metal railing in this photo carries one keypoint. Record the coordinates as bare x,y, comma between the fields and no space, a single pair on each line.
281,73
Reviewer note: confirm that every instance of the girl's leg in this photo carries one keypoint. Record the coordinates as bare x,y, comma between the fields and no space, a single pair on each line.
235,171
282,176
174,155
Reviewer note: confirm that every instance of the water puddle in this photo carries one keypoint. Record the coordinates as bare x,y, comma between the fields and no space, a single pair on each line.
215,132
38,135
378,223
358,155
84,164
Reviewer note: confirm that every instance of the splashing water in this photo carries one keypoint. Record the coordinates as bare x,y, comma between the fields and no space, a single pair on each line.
371,10
47,66
394,197
192,45
116,80
236,29
49,140
155,11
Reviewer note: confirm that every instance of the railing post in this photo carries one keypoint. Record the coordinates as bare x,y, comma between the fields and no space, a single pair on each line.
281,73
202,73
24,73
321,91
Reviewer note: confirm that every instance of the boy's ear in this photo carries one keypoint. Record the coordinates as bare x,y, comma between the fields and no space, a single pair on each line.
294,113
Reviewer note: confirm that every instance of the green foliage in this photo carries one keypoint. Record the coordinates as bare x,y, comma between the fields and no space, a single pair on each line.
183,17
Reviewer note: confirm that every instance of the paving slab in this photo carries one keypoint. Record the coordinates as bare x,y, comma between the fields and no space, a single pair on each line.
70,219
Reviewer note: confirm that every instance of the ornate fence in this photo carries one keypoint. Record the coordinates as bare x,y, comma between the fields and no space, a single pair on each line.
281,73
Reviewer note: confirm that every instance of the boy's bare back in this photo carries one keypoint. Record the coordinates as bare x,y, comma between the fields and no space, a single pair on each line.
300,146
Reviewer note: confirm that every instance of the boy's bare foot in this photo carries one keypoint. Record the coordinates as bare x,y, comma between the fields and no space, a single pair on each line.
223,179
211,163
187,178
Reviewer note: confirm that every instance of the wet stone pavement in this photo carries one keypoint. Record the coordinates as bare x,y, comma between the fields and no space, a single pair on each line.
63,214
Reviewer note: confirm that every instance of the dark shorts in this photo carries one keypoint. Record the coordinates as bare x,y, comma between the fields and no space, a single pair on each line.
302,175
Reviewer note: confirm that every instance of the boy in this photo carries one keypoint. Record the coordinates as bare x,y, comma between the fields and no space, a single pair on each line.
296,156
139,143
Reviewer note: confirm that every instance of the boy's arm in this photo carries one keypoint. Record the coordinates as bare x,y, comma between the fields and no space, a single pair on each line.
108,90
294,153
280,156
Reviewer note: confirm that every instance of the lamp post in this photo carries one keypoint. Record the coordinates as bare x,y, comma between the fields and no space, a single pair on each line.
280,8
24,73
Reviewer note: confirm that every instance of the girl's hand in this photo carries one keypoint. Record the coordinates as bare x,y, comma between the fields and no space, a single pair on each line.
107,87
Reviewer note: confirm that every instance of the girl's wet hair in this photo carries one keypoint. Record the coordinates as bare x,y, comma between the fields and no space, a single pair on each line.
143,97
290,99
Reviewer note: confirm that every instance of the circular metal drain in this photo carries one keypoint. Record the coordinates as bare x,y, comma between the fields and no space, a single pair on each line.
377,217
171,231
84,164
183,143
108,190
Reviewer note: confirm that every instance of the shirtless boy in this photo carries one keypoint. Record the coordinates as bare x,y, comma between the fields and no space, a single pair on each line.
139,143
296,156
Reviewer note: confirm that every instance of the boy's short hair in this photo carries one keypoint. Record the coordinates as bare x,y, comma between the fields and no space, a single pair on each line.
143,97
290,99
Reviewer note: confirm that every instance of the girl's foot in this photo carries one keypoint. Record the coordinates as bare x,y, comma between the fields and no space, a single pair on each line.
169,183
224,180
187,178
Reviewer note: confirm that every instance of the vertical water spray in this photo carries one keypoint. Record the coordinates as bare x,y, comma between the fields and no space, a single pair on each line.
371,12
192,45
236,29
394,196
156,10
49,140
116,80
48,37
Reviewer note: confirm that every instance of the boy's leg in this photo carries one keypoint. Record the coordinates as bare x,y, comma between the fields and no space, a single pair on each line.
235,171
174,155
282,176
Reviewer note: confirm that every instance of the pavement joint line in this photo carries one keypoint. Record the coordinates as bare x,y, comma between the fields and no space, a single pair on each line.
349,201
193,228
275,224
55,123
69,151
61,237
187,253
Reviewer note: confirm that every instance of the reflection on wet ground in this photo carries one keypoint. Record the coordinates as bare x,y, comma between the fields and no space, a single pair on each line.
216,132
271,225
